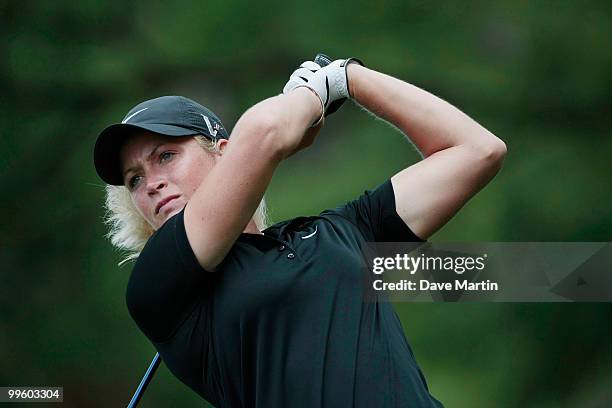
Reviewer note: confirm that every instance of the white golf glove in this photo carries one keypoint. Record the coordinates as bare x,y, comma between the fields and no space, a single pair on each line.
329,82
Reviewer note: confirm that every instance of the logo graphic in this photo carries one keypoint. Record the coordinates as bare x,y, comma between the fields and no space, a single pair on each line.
133,114
310,235
213,132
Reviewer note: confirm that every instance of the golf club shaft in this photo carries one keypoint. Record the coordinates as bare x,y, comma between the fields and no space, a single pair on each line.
145,381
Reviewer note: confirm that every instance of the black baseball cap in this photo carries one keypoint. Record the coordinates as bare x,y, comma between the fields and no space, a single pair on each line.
166,115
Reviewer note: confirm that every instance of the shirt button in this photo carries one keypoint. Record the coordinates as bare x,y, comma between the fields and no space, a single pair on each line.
290,255
281,248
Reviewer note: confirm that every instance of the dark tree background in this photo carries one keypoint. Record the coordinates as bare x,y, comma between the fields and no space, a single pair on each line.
537,74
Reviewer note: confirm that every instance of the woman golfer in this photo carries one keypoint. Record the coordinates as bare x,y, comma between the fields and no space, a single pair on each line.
249,316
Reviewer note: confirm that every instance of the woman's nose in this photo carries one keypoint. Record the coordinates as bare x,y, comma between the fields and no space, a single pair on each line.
155,186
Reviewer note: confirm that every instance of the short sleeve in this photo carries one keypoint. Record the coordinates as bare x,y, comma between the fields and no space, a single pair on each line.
375,215
167,281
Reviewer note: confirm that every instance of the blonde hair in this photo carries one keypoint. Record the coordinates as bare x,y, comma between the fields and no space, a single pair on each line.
129,231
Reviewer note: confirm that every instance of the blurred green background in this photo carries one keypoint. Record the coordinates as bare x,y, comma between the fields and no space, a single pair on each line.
537,74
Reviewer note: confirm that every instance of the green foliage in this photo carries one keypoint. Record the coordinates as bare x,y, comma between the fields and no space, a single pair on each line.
537,75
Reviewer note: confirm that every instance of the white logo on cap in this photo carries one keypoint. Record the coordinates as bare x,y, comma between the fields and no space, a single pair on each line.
133,114
213,132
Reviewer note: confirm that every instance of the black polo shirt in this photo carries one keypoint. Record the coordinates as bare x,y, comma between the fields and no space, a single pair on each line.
282,322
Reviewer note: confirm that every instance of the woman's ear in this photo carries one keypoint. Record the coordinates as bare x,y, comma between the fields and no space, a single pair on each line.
221,145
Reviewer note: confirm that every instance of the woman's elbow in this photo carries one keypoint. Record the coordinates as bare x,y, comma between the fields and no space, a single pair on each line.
493,153
498,153
489,157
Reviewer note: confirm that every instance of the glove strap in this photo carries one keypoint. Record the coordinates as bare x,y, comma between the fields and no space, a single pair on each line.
346,64
316,123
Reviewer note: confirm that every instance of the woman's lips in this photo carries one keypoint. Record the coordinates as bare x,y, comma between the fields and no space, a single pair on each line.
165,201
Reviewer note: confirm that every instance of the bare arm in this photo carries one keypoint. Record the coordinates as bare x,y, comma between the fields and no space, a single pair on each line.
224,203
461,156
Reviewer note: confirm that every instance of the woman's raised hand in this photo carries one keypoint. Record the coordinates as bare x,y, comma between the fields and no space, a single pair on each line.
329,82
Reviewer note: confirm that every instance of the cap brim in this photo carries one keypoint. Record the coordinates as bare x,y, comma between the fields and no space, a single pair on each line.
110,140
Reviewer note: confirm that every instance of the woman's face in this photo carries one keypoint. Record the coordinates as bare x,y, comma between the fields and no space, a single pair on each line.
163,172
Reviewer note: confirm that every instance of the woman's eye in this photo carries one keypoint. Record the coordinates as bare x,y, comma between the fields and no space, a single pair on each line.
165,156
134,182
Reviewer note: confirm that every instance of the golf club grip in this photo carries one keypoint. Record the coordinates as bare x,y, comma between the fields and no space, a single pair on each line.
322,59
145,381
